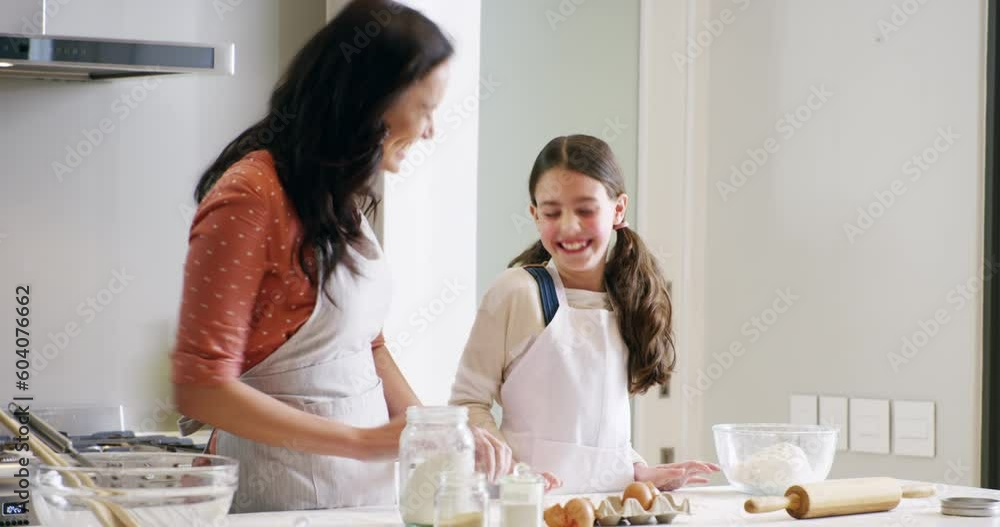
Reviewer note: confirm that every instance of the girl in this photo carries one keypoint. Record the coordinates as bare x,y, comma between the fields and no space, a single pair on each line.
567,335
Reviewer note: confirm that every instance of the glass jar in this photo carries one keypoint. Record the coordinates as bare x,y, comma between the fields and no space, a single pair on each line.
522,498
436,439
462,500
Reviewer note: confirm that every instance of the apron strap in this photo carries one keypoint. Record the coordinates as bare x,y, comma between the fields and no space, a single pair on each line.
547,291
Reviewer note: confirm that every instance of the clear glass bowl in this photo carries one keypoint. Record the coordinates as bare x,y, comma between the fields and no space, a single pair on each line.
152,488
768,458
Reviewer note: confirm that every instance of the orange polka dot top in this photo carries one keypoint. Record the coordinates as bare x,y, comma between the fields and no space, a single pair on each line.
245,293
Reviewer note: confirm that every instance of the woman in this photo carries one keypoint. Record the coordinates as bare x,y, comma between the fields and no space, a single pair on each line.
279,345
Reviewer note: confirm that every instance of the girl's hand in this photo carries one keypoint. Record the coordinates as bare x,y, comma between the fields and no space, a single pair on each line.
551,481
675,475
493,456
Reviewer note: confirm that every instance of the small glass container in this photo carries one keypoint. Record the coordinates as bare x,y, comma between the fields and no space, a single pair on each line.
522,498
436,439
973,507
462,500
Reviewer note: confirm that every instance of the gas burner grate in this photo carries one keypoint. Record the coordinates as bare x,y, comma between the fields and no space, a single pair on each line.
123,441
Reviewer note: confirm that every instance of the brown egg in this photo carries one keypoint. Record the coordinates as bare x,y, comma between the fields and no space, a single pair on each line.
580,512
653,489
639,491
555,516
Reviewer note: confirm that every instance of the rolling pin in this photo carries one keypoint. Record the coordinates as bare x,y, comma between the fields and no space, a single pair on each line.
838,497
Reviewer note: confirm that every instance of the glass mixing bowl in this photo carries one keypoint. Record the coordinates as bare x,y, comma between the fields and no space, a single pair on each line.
152,489
768,458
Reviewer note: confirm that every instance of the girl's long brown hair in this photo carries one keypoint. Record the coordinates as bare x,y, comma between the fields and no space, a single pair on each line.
637,289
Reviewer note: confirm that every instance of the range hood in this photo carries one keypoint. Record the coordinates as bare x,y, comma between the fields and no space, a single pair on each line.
36,54
70,58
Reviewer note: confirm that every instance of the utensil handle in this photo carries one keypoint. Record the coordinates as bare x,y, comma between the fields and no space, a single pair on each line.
766,504
47,431
918,491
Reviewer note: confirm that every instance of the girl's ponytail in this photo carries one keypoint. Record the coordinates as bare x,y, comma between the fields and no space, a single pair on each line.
638,294
536,254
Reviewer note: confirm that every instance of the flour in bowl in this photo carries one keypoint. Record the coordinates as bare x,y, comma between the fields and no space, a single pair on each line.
775,468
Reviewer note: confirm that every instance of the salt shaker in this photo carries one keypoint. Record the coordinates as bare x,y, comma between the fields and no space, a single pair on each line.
521,498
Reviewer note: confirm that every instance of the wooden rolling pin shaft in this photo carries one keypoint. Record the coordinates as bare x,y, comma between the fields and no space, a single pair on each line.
839,497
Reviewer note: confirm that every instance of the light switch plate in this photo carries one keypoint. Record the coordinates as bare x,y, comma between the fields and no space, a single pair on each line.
869,425
913,428
833,412
802,410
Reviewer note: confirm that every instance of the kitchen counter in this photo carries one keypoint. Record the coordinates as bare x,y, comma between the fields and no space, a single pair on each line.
710,506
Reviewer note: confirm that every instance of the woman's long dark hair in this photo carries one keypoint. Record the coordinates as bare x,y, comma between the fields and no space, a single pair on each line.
636,288
325,125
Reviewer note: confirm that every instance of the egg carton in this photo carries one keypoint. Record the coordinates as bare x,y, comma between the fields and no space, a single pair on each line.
612,511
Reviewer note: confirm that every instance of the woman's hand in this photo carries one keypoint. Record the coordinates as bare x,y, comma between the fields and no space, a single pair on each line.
380,443
675,475
493,456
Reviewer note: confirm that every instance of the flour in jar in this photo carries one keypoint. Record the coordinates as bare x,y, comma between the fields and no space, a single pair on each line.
775,468
416,502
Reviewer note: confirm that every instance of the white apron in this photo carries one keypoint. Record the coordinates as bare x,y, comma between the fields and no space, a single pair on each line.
326,368
566,403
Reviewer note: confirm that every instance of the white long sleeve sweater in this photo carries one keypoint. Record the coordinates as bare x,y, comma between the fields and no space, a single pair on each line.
507,323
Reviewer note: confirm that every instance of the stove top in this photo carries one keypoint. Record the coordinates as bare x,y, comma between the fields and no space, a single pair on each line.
123,441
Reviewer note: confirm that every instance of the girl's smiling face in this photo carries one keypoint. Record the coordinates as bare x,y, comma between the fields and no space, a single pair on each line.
575,218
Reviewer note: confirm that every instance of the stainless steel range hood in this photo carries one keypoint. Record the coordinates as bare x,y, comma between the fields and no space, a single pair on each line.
79,58
28,50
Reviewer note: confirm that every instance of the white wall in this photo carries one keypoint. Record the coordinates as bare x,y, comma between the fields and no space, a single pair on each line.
429,221
127,204
783,228
666,218
558,68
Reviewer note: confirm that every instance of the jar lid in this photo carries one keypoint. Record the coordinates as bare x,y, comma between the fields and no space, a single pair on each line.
461,478
522,474
437,415
969,506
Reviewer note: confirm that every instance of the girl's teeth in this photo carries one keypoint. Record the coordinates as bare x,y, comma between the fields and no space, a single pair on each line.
573,246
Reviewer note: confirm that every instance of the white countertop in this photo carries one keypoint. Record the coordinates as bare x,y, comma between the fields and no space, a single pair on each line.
710,506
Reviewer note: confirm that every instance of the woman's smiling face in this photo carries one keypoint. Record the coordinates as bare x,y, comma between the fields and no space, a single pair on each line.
411,117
